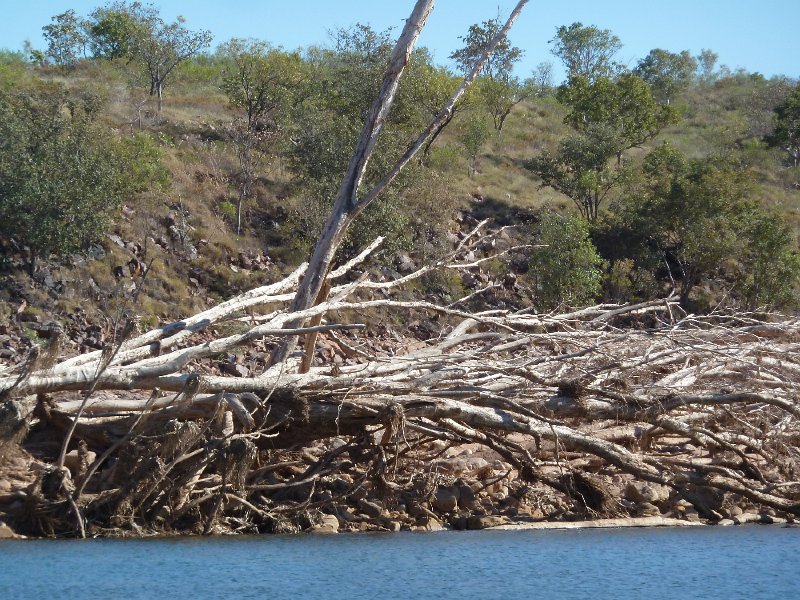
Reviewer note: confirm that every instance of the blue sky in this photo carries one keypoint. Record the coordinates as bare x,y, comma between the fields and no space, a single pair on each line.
760,36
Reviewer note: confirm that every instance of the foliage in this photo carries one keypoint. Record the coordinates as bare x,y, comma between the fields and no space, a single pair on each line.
787,126
542,79
66,39
623,104
327,119
60,178
500,97
113,29
770,273
667,73
707,60
694,222
261,81
586,51
162,46
474,133
580,168
500,63
566,270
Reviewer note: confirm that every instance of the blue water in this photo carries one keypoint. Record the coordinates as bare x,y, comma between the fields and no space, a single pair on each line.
725,563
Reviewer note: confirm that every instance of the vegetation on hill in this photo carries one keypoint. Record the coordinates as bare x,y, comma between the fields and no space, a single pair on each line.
124,140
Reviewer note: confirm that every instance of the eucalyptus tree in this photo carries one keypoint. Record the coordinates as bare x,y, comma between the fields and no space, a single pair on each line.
667,73
586,51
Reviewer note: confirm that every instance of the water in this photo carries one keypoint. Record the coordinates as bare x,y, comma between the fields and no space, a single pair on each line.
710,563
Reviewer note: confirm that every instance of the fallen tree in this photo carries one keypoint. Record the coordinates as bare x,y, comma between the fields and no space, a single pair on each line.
605,411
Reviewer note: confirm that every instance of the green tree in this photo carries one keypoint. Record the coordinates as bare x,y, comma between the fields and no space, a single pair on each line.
113,29
566,269
261,82
623,104
787,126
474,134
707,60
695,219
770,273
667,73
586,51
610,117
581,169
66,38
542,79
326,121
500,97
60,178
160,46
502,60
427,87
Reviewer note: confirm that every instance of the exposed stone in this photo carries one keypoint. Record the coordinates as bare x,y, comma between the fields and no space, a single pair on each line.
444,500
747,518
482,522
328,524
466,497
6,533
648,492
371,509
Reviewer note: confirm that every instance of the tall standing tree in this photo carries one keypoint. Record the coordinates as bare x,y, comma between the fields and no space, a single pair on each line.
162,46
706,61
500,63
624,104
61,178
667,73
499,89
66,38
261,82
112,29
542,78
586,51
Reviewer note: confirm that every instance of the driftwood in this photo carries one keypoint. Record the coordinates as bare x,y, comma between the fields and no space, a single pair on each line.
685,413
569,401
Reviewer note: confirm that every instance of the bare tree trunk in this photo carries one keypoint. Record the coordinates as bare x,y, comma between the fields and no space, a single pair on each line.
347,205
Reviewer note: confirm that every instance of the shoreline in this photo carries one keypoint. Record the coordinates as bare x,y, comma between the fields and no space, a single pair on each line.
6,533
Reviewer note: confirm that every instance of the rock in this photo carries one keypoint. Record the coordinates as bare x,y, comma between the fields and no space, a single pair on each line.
725,522
405,264
328,524
371,509
482,522
767,519
429,524
77,461
6,533
392,525
234,369
444,500
735,511
649,510
747,518
116,239
466,497
648,492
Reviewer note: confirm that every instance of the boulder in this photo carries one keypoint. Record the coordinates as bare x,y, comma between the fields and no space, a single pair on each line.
444,500
327,524
482,522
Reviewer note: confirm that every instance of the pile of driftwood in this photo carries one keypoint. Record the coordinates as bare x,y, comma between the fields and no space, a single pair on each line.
144,436
607,411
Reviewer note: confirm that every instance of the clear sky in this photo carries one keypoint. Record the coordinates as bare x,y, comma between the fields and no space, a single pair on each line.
758,35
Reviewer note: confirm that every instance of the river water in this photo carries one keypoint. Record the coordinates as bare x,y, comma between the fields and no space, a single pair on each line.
733,562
